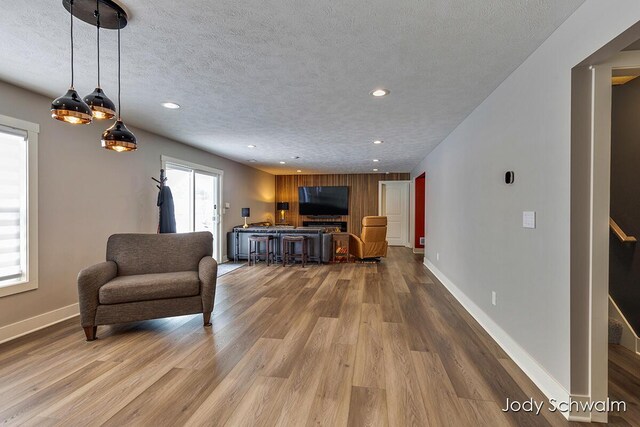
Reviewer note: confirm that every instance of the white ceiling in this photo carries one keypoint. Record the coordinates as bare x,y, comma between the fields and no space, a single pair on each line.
292,77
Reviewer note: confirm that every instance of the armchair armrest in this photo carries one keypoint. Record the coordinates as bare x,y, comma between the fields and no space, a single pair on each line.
356,246
89,282
208,274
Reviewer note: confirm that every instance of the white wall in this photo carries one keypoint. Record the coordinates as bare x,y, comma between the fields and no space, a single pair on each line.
474,220
87,193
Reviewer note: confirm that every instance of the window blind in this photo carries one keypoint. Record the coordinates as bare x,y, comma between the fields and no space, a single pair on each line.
13,205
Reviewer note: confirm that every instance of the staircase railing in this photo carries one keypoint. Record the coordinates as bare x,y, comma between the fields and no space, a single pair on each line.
621,235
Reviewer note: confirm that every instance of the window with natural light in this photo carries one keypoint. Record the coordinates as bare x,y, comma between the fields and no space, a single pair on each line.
17,266
196,193
13,206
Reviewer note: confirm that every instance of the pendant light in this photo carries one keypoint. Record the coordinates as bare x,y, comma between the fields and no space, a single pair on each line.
70,108
100,104
118,137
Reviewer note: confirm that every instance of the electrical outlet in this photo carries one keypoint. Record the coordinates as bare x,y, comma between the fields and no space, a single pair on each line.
494,298
528,219
437,256
422,241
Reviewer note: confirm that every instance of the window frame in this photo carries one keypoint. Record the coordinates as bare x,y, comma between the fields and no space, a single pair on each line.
31,282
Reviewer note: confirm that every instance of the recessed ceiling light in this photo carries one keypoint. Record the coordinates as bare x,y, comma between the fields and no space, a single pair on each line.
375,170
298,171
283,163
295,157
252,160
378,141
379,92
251,146
376,160
170,105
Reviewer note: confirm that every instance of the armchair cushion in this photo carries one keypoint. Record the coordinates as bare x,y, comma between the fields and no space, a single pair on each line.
147,287
158,253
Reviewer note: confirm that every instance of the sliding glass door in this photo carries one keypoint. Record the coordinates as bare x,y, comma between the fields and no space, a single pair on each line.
196,194
205,207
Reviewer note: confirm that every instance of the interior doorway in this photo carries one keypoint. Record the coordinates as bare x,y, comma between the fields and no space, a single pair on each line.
197,198
591,225
419,214
393,202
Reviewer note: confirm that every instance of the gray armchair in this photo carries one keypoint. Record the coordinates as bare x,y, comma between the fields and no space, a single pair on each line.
148,276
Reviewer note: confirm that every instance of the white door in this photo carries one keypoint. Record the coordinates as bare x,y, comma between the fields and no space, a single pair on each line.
393,202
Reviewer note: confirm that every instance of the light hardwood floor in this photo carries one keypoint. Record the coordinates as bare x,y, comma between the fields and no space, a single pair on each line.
624,384
347,344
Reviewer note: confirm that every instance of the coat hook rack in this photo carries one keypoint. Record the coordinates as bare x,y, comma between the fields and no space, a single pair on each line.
163,179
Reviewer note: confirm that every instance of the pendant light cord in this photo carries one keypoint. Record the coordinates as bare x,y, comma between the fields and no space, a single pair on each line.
71,14
98,36
119,103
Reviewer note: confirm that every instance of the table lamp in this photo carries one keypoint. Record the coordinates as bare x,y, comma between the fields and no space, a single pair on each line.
282,207
246,213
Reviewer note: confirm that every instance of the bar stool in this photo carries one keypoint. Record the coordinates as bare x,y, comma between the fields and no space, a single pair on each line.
254,248
289,249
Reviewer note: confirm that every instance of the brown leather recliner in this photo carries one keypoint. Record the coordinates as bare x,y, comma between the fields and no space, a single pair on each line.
372,242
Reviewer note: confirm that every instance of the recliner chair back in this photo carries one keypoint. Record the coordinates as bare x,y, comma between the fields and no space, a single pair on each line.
372,242
374,229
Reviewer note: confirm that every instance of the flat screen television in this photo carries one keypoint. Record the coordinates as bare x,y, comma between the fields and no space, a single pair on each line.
318,201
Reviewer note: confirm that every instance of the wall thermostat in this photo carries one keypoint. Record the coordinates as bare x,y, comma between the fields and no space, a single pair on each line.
509,177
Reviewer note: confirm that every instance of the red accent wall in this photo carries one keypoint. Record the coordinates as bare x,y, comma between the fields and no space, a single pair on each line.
420,203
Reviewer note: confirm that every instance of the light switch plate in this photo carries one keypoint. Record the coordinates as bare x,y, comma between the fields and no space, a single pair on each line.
528,219
227,205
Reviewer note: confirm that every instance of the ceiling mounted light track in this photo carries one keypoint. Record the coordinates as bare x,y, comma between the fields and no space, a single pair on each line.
112,16
101,106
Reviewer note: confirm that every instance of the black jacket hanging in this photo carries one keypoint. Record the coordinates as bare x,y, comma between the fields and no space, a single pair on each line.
167,214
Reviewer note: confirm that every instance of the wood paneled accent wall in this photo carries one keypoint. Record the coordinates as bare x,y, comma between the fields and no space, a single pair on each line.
363,194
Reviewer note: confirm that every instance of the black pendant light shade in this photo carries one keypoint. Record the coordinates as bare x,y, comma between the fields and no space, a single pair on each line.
102,107
119,138
70,108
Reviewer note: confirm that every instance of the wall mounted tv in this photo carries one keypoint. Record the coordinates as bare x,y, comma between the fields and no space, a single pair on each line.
321,201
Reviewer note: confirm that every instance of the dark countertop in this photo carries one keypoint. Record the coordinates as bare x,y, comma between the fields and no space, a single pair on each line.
280,229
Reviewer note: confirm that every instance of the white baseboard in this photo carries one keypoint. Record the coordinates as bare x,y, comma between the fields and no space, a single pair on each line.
549,386
24,327
581,416
629,338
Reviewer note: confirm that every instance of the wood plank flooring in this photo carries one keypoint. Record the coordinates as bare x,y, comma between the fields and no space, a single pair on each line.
624,384
334,345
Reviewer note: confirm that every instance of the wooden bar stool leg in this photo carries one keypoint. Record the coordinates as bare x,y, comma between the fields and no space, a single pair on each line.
288,259
304,252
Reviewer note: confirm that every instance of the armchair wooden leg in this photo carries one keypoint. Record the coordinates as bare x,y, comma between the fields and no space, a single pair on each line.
90,332
207,318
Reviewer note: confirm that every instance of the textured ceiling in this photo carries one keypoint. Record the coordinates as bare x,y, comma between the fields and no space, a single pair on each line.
291,77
